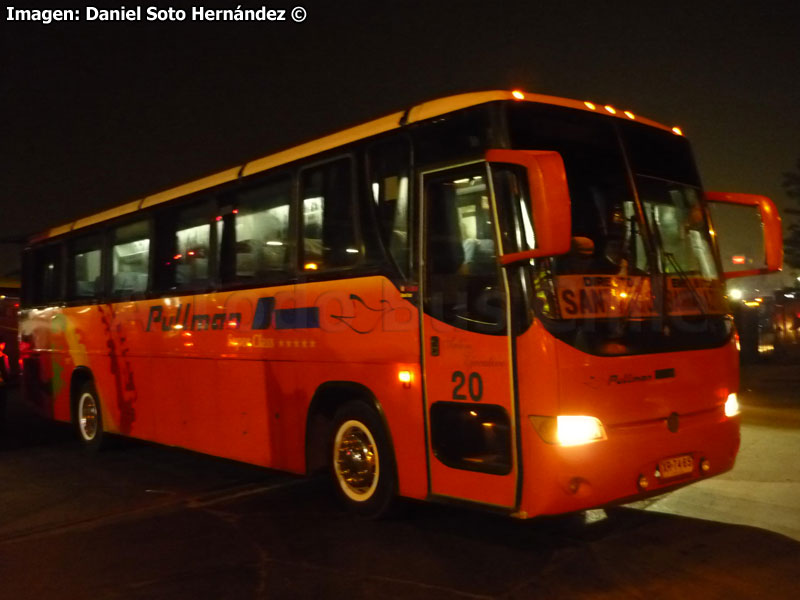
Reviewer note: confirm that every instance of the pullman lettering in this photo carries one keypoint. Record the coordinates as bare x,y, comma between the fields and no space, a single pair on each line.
198,322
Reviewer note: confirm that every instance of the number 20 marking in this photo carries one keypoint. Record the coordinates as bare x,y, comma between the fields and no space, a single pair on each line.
474,386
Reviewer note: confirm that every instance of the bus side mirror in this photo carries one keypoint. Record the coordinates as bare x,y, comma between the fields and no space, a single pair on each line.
549,201
740,214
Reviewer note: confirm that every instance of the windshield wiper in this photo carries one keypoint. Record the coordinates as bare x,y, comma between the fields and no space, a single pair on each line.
670,257
682,274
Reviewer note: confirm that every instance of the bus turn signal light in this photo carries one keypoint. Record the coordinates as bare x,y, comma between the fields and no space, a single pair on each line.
569,430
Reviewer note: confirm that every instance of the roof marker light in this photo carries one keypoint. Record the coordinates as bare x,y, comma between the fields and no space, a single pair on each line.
518,95
610,109
590,105
677,131
630,115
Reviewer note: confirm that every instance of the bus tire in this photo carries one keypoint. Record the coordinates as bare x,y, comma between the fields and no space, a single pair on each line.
88,417
362,461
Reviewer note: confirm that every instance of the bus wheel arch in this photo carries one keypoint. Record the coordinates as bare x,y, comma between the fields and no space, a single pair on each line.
86,410
347,414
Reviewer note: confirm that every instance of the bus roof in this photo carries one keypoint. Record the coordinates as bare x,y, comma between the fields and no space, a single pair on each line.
419,112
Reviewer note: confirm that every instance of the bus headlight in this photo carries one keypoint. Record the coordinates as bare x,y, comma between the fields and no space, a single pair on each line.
732,405
569,430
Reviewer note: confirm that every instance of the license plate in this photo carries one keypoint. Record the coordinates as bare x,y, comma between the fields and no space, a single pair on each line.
677,465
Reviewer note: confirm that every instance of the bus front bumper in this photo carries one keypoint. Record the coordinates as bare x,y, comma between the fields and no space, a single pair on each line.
634,461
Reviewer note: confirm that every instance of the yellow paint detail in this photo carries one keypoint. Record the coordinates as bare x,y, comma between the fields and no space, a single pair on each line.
111,213
191,187
324,143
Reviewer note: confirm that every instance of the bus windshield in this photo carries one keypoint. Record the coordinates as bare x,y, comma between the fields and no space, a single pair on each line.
675,217
636,213
668,187
603,209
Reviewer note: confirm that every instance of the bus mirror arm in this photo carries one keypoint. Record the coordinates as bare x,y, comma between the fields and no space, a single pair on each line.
771,223
550,205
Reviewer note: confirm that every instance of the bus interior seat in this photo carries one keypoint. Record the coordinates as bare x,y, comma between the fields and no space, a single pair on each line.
130,282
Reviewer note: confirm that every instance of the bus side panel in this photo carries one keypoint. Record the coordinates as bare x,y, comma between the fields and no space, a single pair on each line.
121,367
56,341
215,406
367,333
233,373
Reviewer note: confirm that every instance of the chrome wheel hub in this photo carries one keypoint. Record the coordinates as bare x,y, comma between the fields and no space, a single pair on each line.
87,416
356,460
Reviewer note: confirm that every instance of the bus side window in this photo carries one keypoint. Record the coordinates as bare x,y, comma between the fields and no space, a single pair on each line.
85,276
389,167
130,259
48,275
463,286
183,248
329,218
261,229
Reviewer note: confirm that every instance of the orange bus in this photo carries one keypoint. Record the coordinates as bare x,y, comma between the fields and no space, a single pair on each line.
503,299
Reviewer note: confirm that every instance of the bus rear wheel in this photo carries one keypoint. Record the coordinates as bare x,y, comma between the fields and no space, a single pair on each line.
88,417
362,462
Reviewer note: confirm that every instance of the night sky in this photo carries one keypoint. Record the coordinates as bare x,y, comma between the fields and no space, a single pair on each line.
95,114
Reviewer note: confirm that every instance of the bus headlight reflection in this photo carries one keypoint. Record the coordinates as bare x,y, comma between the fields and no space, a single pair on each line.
569,430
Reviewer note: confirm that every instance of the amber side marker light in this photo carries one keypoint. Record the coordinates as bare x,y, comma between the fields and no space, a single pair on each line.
610,109
405,378
677,131
630,115
590,105
518,95
311,266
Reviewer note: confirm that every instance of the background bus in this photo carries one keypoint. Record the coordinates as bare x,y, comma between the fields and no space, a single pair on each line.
9,354
502,299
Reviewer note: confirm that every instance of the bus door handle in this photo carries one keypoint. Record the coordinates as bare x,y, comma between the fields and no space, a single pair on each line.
434,345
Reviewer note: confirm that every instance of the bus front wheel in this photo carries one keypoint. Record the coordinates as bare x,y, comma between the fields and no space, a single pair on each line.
88,417
362,461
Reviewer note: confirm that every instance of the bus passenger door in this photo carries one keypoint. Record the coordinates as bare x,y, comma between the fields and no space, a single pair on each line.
469,401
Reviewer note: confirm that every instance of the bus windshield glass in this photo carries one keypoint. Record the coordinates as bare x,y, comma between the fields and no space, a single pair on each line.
618,247
604,220
675,217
